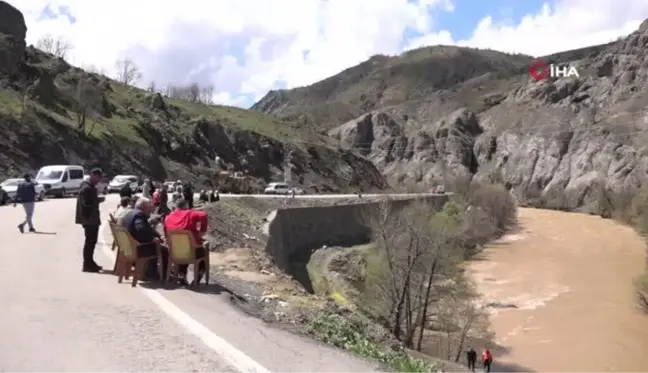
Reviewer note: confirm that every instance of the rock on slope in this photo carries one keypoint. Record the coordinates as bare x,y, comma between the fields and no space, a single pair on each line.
482,115
129,130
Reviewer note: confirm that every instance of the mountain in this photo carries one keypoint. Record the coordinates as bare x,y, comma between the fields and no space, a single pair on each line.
54,113
444,112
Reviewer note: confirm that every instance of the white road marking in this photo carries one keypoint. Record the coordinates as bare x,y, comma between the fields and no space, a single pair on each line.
235,357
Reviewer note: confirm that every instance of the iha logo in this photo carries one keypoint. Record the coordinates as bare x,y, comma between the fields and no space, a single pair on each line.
539,70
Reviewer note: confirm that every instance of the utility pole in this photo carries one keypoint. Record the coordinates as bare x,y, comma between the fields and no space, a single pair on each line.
288,167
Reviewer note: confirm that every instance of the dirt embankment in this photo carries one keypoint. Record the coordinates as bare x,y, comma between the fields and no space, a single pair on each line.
566,279
238,239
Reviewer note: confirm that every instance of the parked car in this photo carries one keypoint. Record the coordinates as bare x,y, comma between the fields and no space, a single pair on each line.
119,181
60,180
277,188
10,186
4,197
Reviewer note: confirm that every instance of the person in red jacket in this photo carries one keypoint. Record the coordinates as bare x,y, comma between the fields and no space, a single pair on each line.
194,221
487,359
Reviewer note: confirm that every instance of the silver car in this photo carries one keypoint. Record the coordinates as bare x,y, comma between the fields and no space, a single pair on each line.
10,186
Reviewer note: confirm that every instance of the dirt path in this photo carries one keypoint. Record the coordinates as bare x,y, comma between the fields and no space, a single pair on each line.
570,275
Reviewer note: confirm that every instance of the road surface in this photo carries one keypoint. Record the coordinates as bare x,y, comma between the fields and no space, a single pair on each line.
57,318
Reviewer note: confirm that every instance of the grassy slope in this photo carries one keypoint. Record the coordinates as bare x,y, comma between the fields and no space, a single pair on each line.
119,130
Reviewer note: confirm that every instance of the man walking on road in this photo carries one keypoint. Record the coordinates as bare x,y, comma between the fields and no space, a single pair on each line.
87,215
26,195
471,356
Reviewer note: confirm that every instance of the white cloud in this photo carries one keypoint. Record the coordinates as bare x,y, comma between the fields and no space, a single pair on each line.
293,42
245,47
567,24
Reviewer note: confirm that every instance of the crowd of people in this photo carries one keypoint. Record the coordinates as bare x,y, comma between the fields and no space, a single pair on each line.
143,217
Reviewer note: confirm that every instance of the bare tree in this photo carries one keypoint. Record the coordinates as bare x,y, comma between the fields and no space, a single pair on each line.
152,87
88,95
191,93
420,258
127,71
95,70
54,45
206,95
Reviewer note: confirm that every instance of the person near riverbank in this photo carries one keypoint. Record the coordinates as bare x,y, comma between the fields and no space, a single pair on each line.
88,216
26,196
487,359
471,356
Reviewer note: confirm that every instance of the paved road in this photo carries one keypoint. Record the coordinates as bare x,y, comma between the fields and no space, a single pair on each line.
57,318
329,196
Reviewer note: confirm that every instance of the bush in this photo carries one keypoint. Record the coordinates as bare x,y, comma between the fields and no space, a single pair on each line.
341,332
641,288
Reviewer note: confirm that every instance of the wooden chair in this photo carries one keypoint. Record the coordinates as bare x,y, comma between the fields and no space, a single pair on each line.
112,221
129,250
182,250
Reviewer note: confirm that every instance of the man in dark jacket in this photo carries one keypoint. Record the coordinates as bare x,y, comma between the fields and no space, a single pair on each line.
26,195
126,190
87,215
163,209
471,356
188,194
137,223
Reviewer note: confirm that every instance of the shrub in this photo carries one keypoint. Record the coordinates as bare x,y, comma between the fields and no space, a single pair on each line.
341,332
641,288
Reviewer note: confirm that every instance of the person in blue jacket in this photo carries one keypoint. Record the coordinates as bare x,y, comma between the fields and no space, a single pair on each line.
26,195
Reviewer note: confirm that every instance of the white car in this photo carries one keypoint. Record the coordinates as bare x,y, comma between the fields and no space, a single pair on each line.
10,186
277,188
119,181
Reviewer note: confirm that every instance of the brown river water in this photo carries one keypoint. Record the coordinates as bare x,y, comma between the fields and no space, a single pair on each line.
570,276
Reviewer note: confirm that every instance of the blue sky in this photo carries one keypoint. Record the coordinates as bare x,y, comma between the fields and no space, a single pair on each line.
461,23
243,48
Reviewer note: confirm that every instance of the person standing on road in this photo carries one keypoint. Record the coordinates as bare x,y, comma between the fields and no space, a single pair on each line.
146,189
126,190
487,359
88,216
471,356
163,209
188,195
26,195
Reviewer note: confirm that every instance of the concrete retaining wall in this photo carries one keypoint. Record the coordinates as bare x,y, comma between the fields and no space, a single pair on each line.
295,232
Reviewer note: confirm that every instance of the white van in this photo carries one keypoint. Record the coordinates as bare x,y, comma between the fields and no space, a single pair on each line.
61,180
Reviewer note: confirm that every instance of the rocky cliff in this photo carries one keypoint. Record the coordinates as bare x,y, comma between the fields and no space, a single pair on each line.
442,111
52,113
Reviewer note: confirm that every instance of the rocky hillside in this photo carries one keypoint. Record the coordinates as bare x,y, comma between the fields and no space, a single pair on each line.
53,113
442,111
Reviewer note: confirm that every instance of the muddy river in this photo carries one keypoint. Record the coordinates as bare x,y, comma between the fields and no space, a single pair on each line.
570,278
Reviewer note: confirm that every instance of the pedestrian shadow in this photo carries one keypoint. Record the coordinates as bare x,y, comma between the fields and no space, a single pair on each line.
45,233
215,289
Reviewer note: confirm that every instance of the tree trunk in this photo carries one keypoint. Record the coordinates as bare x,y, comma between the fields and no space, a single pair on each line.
426,303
